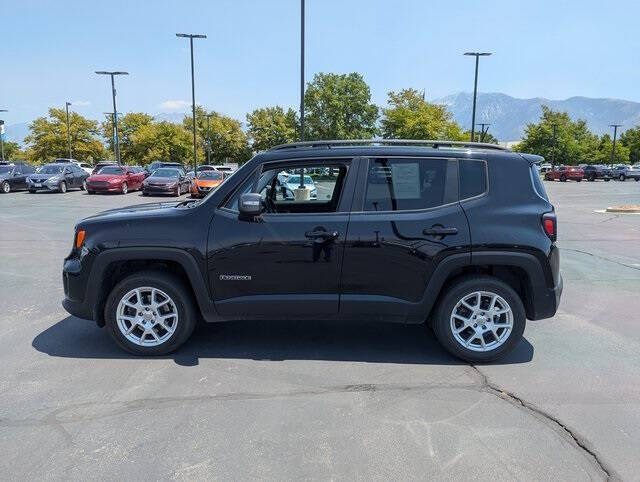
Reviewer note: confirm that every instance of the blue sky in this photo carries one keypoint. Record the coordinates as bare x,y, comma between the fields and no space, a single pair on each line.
554,49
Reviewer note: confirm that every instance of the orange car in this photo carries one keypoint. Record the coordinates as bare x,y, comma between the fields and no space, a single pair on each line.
205,181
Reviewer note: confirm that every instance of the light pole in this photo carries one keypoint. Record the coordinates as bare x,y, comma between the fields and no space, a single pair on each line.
2,136
191,36
116,145
483,131
553,152
66,106
208,139
615,134
477,55
302,70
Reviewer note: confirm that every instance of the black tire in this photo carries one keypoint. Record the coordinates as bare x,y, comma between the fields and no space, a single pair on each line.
125,188
607,180
622,178
591,178
563,179
145,193
6,187
63,187
178,191
578,180
32,191
172,286
442,326
637,179
91,192
84,185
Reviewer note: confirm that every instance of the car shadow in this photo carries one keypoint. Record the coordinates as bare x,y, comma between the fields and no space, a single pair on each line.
371,342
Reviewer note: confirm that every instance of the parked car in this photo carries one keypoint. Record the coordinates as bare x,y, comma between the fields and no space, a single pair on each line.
57,177
287,186
564,173
462,237
102,164
595,171
120,179
166,180
13,176
204,182
622,172
544,167
86,167
225,168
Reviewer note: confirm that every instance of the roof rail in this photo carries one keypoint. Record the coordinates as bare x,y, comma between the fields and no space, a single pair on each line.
387,142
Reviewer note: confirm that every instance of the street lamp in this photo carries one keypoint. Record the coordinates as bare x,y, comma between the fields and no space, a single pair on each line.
483,131
116,145
66,106
301,73
553,152
615,133
191,36
477,55
1,136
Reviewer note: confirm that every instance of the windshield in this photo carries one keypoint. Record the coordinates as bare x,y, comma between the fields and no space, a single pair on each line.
6,169
296,180
50,170
165,173
217,176
111,170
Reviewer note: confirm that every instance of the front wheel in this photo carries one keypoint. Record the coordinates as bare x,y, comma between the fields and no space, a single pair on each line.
6,187
622,177
150,313
125,188
63,187
178,191
563,179
578,180
479,319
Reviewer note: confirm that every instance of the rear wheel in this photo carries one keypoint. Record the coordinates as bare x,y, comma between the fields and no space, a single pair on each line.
125,188
150,313
578,179
479,319
84,185
32,191
6,187
91,192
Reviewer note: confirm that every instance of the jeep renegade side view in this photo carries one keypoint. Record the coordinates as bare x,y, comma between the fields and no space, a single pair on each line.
460,236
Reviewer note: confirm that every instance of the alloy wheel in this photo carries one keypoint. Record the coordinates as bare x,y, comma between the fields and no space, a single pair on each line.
6,187
125,188
63,187
147,316
481,321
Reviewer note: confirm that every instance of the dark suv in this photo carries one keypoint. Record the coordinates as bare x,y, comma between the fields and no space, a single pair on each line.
458,235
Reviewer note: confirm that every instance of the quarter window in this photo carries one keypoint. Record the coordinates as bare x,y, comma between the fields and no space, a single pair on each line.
473,178
405,184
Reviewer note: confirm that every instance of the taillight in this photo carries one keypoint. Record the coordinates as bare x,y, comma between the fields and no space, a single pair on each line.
550,225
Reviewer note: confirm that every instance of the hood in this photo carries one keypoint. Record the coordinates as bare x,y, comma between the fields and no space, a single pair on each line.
38,176
131,212
105,177
161,180
207,182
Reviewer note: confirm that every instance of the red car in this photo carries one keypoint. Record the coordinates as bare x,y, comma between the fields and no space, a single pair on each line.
564,173
120,179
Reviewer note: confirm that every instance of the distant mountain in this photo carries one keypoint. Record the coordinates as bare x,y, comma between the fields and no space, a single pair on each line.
509,116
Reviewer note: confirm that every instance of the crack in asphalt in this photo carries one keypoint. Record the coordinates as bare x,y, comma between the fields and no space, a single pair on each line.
604,258
581,443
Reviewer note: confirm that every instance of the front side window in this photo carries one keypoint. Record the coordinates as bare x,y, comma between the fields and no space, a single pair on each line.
397,184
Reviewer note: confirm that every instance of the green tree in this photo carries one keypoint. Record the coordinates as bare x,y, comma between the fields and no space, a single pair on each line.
162,141
270,126
128,125
409,116
631,140
47,139
339,107
605,150
227,140
574,142
12,151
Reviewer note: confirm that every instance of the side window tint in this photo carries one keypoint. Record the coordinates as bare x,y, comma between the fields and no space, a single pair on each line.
405,184
473,178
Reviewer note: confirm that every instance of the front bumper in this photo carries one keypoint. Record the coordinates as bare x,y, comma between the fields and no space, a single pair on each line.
42,187
75,278
159,190
109,188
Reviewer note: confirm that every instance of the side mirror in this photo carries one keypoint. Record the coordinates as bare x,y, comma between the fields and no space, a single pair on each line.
250,205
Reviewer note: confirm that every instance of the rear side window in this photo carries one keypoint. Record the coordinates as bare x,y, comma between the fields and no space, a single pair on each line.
406,184
473,178
537,183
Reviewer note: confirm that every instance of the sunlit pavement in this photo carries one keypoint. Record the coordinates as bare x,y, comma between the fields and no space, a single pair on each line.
322,399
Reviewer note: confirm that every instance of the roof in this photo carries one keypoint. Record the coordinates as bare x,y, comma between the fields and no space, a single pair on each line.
434,144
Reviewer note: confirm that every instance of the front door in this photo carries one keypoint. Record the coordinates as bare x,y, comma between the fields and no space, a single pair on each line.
406,219
285,263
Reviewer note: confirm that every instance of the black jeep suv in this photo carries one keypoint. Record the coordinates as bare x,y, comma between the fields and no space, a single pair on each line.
458,235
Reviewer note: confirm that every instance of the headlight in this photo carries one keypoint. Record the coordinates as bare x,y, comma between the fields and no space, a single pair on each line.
113,181
53,179
173,184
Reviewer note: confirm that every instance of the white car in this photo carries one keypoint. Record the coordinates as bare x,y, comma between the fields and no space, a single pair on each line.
86,167
291,182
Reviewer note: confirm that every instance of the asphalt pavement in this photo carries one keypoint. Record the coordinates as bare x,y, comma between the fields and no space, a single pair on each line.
322,400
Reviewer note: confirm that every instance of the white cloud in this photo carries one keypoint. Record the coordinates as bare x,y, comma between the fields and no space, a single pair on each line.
174,104
80,103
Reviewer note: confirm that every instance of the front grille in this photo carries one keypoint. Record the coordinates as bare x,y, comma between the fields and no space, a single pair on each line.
98,183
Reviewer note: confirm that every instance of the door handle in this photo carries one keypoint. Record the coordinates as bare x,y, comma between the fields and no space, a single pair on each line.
321,234
440,231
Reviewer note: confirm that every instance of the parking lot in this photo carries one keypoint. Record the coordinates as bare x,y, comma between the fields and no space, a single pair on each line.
322,399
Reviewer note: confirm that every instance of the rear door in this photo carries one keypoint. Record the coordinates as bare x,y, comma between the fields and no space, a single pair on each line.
406,219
